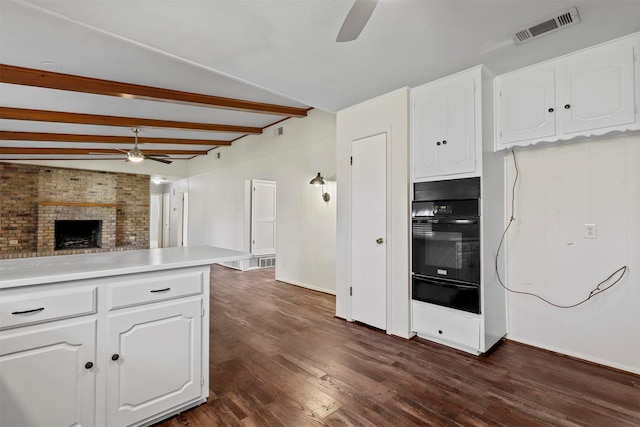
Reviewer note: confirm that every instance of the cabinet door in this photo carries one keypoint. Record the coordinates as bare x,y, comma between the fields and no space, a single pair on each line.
457,152
443,129
597,90
526,105
43,377
426,127
158,355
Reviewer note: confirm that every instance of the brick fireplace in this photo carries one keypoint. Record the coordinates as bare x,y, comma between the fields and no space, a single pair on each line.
50,212
34,197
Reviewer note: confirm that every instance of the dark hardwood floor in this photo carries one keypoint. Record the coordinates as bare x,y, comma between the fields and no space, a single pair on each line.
279,357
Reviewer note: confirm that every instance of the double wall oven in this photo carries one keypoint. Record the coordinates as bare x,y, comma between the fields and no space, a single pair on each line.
446,243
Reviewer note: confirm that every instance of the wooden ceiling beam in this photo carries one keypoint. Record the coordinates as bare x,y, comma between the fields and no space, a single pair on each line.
50,80
108,139
85,151
94,119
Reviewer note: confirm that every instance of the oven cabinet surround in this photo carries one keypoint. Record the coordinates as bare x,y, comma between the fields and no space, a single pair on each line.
592,92
444,128
473,333
120,339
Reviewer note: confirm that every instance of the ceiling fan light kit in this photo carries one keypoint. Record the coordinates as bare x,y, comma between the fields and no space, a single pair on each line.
136,156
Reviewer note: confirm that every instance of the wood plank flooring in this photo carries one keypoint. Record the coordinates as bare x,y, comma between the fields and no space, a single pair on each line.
279,357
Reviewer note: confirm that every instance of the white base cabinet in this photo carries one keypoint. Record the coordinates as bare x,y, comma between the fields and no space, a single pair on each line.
588,93
125,350
155,362
48,375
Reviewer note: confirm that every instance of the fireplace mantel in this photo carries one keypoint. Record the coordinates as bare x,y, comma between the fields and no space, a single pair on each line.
79,204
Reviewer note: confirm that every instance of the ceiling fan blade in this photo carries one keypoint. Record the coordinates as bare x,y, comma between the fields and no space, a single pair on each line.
166,162
356,19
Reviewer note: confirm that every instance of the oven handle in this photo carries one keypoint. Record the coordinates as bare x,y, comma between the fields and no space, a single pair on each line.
443,283
445,220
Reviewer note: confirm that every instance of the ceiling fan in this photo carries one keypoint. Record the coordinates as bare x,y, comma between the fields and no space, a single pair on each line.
135,155
356,20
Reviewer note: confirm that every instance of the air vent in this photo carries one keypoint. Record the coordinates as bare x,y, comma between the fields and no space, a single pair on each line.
554,23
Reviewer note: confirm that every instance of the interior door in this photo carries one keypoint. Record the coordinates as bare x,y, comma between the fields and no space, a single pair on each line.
166,214
368,231
263,217
155,221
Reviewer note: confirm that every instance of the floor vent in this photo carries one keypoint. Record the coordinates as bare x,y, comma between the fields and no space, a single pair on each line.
554,23
266,262
232,264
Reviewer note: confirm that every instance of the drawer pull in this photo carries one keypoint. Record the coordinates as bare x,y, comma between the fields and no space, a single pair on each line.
115,357
88,365
35,310
160,290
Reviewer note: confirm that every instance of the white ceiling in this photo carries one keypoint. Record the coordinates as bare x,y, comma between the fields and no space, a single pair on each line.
273,51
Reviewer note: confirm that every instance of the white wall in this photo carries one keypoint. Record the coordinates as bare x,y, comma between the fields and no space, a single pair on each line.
386,114
305,236
559,190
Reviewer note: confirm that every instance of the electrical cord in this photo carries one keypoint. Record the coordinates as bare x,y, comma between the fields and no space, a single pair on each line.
595,291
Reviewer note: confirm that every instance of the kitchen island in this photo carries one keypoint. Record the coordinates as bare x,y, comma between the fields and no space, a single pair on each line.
106,339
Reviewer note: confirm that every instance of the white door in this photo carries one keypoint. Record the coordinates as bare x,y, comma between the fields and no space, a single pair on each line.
146,374
166,214
526,105
598,91
185,219
368,231
263,217
155,221
48,374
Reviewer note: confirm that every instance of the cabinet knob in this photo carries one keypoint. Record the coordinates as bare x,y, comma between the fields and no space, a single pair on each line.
438,143
379,240
567,106
551,110
444,142
440,331
88,365
115,357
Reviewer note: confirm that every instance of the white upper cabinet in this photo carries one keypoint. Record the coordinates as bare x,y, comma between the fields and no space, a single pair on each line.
592,92
596,90
526,103
444,124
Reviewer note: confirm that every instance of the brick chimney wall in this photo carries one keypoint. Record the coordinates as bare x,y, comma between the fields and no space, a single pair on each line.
24,187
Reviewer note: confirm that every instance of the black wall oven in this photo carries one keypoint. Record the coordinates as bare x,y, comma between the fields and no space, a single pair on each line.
446,243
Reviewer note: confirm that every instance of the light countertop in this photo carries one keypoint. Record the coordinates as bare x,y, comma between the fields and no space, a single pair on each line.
62,268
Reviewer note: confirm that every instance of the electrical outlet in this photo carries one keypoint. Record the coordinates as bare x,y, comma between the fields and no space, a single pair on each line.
590,231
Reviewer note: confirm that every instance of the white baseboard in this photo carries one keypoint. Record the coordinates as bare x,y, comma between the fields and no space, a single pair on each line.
307,286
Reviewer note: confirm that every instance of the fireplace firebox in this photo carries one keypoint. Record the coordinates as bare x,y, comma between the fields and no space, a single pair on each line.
78,234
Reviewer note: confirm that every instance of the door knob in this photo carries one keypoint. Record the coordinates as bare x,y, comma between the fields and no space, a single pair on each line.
379,240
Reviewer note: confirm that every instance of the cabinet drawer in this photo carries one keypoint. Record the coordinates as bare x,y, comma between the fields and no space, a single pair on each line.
160,286
21,310
457,327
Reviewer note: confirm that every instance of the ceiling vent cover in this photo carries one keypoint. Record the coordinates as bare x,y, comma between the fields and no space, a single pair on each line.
549,25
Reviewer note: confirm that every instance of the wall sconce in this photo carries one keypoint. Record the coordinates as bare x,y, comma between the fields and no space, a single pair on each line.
318,181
